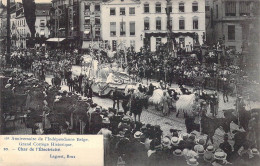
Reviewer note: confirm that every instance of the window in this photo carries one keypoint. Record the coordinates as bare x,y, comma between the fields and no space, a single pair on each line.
158,42
206,8
87,7
97,8
231,32
122,28
122,11
158,23
146,24
97,33
131,10
112,11
158,8
170,24
169,6
244,8
112,28
181,23
181,7
97,21
216,11
195,6
87,20
146,8
132,44
42,23
132,28
230,8
195,23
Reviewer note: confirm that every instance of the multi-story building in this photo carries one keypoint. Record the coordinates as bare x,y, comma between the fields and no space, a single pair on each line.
90,22
20,29
235,22
42,18
3,25
122,24
59,18
187,21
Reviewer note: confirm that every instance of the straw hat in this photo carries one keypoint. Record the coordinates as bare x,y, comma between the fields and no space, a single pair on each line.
126,118
138,134
199,149
254,151
177,152
210,148
185,136
106,120
201,141
175,141
166,141
208,157
193,162
7,86
220,155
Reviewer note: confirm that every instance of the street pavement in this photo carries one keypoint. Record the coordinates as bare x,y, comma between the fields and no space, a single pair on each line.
154,117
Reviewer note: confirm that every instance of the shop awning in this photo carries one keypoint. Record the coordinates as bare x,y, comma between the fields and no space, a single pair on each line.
55,39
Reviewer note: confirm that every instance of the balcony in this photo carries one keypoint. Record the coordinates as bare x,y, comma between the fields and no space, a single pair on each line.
87,13
97,25
238,18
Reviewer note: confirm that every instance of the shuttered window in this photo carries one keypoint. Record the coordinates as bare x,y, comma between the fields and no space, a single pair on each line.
230,8
244,8
132,28
112,28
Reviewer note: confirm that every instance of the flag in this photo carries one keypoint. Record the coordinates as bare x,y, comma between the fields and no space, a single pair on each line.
29,13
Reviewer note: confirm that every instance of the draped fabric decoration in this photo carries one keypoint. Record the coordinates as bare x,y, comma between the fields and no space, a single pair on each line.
190,34
29,13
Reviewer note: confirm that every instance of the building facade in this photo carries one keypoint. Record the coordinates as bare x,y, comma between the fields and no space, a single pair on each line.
90,22
59,18
41,23
20,31
235,22
122,24
3,24
187,21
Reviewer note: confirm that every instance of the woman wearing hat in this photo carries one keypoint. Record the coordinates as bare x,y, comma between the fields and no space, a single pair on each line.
107,135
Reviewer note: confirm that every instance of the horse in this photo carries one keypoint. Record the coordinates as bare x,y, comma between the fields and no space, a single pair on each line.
137,107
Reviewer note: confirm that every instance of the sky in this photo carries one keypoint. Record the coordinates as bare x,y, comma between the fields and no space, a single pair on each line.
37,1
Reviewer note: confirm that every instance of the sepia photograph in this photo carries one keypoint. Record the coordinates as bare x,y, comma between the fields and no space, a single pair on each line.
164,82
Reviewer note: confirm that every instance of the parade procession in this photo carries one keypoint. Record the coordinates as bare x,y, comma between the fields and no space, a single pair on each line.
164,93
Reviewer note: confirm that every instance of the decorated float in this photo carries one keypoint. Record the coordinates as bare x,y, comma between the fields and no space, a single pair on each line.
105,77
